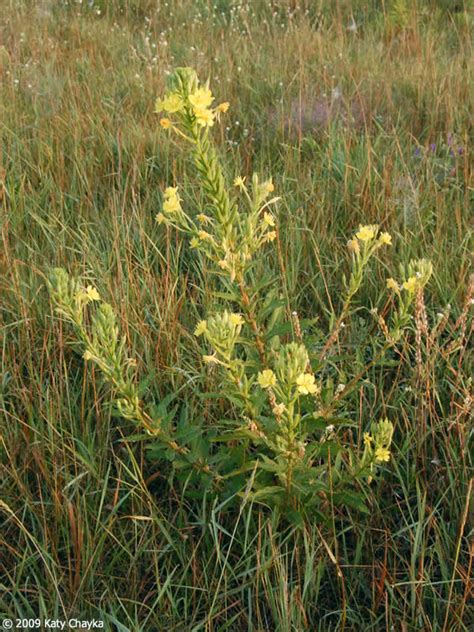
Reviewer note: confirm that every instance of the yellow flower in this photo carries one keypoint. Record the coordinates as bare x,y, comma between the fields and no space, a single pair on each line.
410,284
201,99
172,200
171,192
305,383
386,238
353,245
171,103
366,233
165,123
382,454
268,219
239,182
202,234
160,218
87,355
222,107
367,439
266,378
171,205
204,219
204,117
194,243
268,186
236,320
201,328
92,294
271,236
392,284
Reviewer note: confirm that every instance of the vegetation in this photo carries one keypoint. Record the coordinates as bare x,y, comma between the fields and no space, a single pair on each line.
216,412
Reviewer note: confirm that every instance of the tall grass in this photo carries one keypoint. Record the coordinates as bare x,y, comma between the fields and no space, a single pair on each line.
364,126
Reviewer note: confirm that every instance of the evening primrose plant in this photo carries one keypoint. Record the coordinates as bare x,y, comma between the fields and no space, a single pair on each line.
281,430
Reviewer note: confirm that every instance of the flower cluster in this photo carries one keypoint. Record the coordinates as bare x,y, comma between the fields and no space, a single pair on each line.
289,380
367,240
377,444
172,211
227,236
416,275
101,342
193,104
292,370
222,332
291,377
70,296
232,253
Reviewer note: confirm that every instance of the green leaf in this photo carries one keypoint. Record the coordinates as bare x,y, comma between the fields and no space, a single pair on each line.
268,492
225,296
144,384
234,399
295,518
350,499
281,329
187,435
136,437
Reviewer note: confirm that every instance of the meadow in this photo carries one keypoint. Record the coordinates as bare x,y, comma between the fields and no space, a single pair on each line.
355,114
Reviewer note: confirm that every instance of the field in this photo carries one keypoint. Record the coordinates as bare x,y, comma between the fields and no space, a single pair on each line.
361,113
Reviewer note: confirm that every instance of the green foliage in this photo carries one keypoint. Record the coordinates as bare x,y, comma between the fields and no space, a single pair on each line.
268,381
359,121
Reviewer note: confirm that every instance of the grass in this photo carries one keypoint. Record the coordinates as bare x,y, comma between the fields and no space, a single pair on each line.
354,127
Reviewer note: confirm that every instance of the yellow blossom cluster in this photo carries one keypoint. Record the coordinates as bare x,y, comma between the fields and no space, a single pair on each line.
377,445
286,384
201,101
87,295
382,454
268,219
369,233
366,233
171,204
306,384
270,236
266,378
411,284
198,104
92,294
239,182
221,331
171,103
417,276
